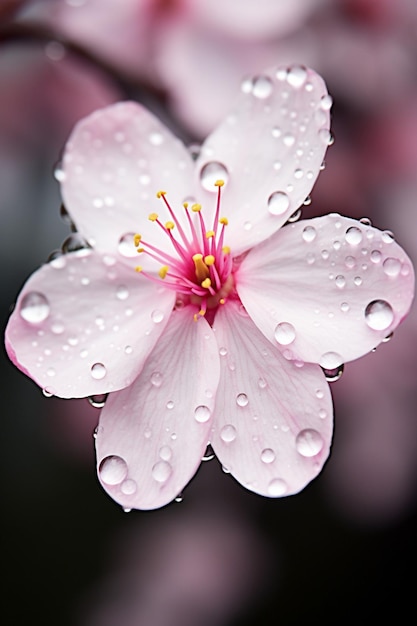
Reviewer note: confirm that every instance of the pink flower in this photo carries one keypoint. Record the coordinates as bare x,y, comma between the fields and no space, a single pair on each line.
222,334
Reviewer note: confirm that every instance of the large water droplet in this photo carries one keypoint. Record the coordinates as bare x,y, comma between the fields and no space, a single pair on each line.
113,470
392,267
242,399
161,471
202,414
77,244
309,234
228,433
333,374
278,203
210,173
126,245
128,487
267,455
157,316
34,307
262,87
284,333
296,76
379,315
98,401
353,235
309,442
277,487
98,371
331,360
165,453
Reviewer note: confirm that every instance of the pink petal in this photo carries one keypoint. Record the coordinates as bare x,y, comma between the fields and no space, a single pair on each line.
152,435
327,290
84,325
273,419
114,163
269,151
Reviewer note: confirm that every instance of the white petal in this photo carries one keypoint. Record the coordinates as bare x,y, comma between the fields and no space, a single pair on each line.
327,290
115,162
273,420
152,435
269,151
82,326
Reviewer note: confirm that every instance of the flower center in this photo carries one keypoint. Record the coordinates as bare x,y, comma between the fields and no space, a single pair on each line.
200,270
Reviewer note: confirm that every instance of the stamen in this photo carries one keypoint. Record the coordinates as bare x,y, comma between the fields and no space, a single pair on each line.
153,217
206,283
136,239
163,271
169,225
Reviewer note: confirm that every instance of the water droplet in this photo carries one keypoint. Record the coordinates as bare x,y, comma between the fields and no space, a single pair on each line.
309,234
98,371
284,333
222,351
242,399
276,132
295,216
228,433
77,244
156,138
309,442
387,236
210,173
208,454
262,87
344,307
379,315
331,360
296,76
202,414
262,384
340,281
278,203
126,245
128,487
333,374
277,487
376,256
113,470
247,85
59,173
161,471
165,453
170,404
357,281
392,267
268,455
326,102
98,401
34,307
157,316
122,292
288,140
156,379
353,235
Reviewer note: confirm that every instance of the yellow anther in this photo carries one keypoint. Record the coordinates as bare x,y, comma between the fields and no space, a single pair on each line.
226,249
210,233
136,239
139,250
197,257
222,301
163,271
206,283
153,217
159,194
209,259
223,220
169,225
138,268
201,269
185,205
219,183
196,208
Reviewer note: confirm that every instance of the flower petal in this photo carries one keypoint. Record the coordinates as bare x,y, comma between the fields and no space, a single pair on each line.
272,425
84,324
152,435
115,162
269,151
327,290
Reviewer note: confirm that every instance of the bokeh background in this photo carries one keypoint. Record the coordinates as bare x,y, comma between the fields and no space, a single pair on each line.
341,552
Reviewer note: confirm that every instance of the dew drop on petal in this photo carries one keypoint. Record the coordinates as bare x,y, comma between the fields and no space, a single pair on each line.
161,471
98,371
77,244
278,203
309,234
331,360
392,267
122,292
309,442
113,470
208,454
34,307
379,315
126,245
128,487
165,453
202,414
340,281
262,87
353,235
228,433
98,401
284,333
296,76
242,399
333,374
326,102
210,173
157,316
156,379
268,455
277,487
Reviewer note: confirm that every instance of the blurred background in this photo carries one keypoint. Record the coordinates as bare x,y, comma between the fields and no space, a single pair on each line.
344,549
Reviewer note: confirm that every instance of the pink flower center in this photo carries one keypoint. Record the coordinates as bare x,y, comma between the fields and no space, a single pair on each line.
200,270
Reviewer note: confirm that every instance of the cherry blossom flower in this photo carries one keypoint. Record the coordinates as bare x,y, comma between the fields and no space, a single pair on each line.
222,333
